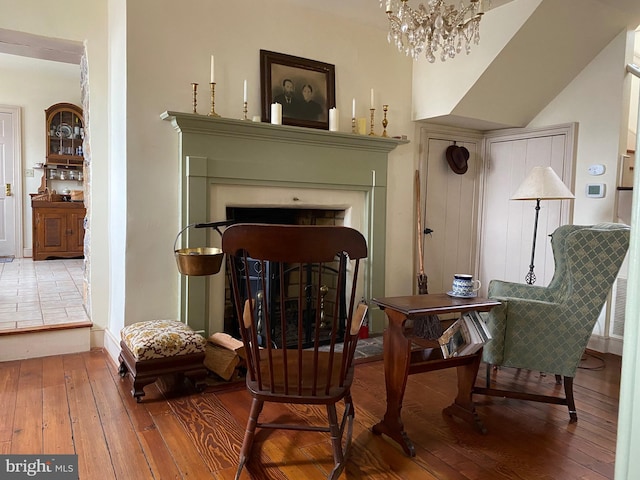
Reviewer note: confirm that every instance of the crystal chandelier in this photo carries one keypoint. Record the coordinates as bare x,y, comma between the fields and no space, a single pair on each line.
437,26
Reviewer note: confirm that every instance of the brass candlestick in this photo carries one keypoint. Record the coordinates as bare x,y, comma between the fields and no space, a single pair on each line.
244,112
353,125
194,87
373,112
384,120
213,113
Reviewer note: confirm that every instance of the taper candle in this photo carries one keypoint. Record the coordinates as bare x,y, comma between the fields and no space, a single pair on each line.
371,98
353,108
245,91
213,77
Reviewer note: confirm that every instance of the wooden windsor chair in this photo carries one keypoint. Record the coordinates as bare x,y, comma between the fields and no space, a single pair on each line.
294,292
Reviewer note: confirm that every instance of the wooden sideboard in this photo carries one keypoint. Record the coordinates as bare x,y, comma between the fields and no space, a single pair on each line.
58,229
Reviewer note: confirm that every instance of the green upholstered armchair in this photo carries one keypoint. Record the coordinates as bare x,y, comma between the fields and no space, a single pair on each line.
547,329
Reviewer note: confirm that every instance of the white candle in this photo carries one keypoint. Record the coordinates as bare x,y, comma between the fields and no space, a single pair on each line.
276,114
213,77
333,119
245,90
353,108
372,98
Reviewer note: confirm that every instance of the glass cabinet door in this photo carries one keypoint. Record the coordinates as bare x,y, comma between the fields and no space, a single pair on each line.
65,134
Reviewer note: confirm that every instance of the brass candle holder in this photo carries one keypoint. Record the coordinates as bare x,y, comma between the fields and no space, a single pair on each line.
385,122
354,128
194,88
373,114
244,111
213,113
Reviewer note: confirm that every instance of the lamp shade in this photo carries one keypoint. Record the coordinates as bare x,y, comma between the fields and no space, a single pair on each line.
542,183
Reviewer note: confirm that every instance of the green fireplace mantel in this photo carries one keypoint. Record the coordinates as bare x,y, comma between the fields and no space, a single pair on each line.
216,151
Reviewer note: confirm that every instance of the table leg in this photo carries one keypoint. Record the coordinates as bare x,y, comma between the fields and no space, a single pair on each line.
463,406
397,357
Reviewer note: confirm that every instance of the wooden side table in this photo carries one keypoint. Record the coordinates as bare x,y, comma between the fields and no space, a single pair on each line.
400,361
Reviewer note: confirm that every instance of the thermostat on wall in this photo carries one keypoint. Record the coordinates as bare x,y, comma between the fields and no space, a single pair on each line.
595,190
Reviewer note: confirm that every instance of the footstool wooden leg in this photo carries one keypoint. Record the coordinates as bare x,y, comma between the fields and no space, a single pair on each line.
138,387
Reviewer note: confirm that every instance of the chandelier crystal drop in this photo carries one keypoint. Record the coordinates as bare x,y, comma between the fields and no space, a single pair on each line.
438,27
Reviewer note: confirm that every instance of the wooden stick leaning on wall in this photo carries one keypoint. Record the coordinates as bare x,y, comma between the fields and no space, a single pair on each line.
428,326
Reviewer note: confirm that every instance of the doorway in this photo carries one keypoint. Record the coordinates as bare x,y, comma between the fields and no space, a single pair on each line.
476,228
55,71
11,191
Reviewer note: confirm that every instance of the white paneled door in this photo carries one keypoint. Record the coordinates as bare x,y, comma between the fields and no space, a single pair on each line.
506,226
7,184
477,228
449,208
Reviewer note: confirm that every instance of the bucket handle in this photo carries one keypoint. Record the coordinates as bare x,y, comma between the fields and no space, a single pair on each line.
215,225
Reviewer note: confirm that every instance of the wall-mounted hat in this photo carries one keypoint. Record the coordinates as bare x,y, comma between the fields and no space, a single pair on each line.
457,157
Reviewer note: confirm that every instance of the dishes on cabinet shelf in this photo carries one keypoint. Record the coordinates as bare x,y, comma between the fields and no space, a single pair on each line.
64,131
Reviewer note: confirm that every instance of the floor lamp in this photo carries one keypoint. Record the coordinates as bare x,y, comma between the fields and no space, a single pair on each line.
542,183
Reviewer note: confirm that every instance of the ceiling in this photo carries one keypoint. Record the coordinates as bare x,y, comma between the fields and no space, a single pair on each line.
367,12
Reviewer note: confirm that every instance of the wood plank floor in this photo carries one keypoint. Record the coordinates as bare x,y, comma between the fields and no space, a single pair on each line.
79,404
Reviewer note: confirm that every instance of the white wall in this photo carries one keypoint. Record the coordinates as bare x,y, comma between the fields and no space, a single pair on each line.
22,84
595,99
162,59
432,97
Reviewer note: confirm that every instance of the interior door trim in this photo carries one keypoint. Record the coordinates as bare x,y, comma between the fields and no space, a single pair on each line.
16,121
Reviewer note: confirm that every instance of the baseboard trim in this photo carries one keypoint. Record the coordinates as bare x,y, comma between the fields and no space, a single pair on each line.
111,345
605,344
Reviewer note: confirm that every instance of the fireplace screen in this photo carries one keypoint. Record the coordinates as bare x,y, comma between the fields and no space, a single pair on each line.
285,293
289,278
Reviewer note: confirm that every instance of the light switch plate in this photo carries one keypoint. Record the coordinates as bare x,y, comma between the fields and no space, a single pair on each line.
28,172
597,169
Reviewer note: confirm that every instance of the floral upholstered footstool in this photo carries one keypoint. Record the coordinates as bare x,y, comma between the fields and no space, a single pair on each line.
156,348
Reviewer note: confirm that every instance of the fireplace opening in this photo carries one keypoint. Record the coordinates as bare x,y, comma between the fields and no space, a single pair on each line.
294,277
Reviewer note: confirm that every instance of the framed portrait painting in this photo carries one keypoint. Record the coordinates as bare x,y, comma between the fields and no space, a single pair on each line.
305,89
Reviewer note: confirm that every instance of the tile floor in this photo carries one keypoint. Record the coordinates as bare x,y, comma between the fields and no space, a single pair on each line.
43,293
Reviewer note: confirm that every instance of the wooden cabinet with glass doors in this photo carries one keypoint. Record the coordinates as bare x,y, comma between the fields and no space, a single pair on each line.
65,134
58,217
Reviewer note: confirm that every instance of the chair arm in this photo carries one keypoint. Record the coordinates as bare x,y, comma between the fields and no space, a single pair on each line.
499,288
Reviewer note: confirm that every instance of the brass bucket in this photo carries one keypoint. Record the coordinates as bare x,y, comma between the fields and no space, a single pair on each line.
197,261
